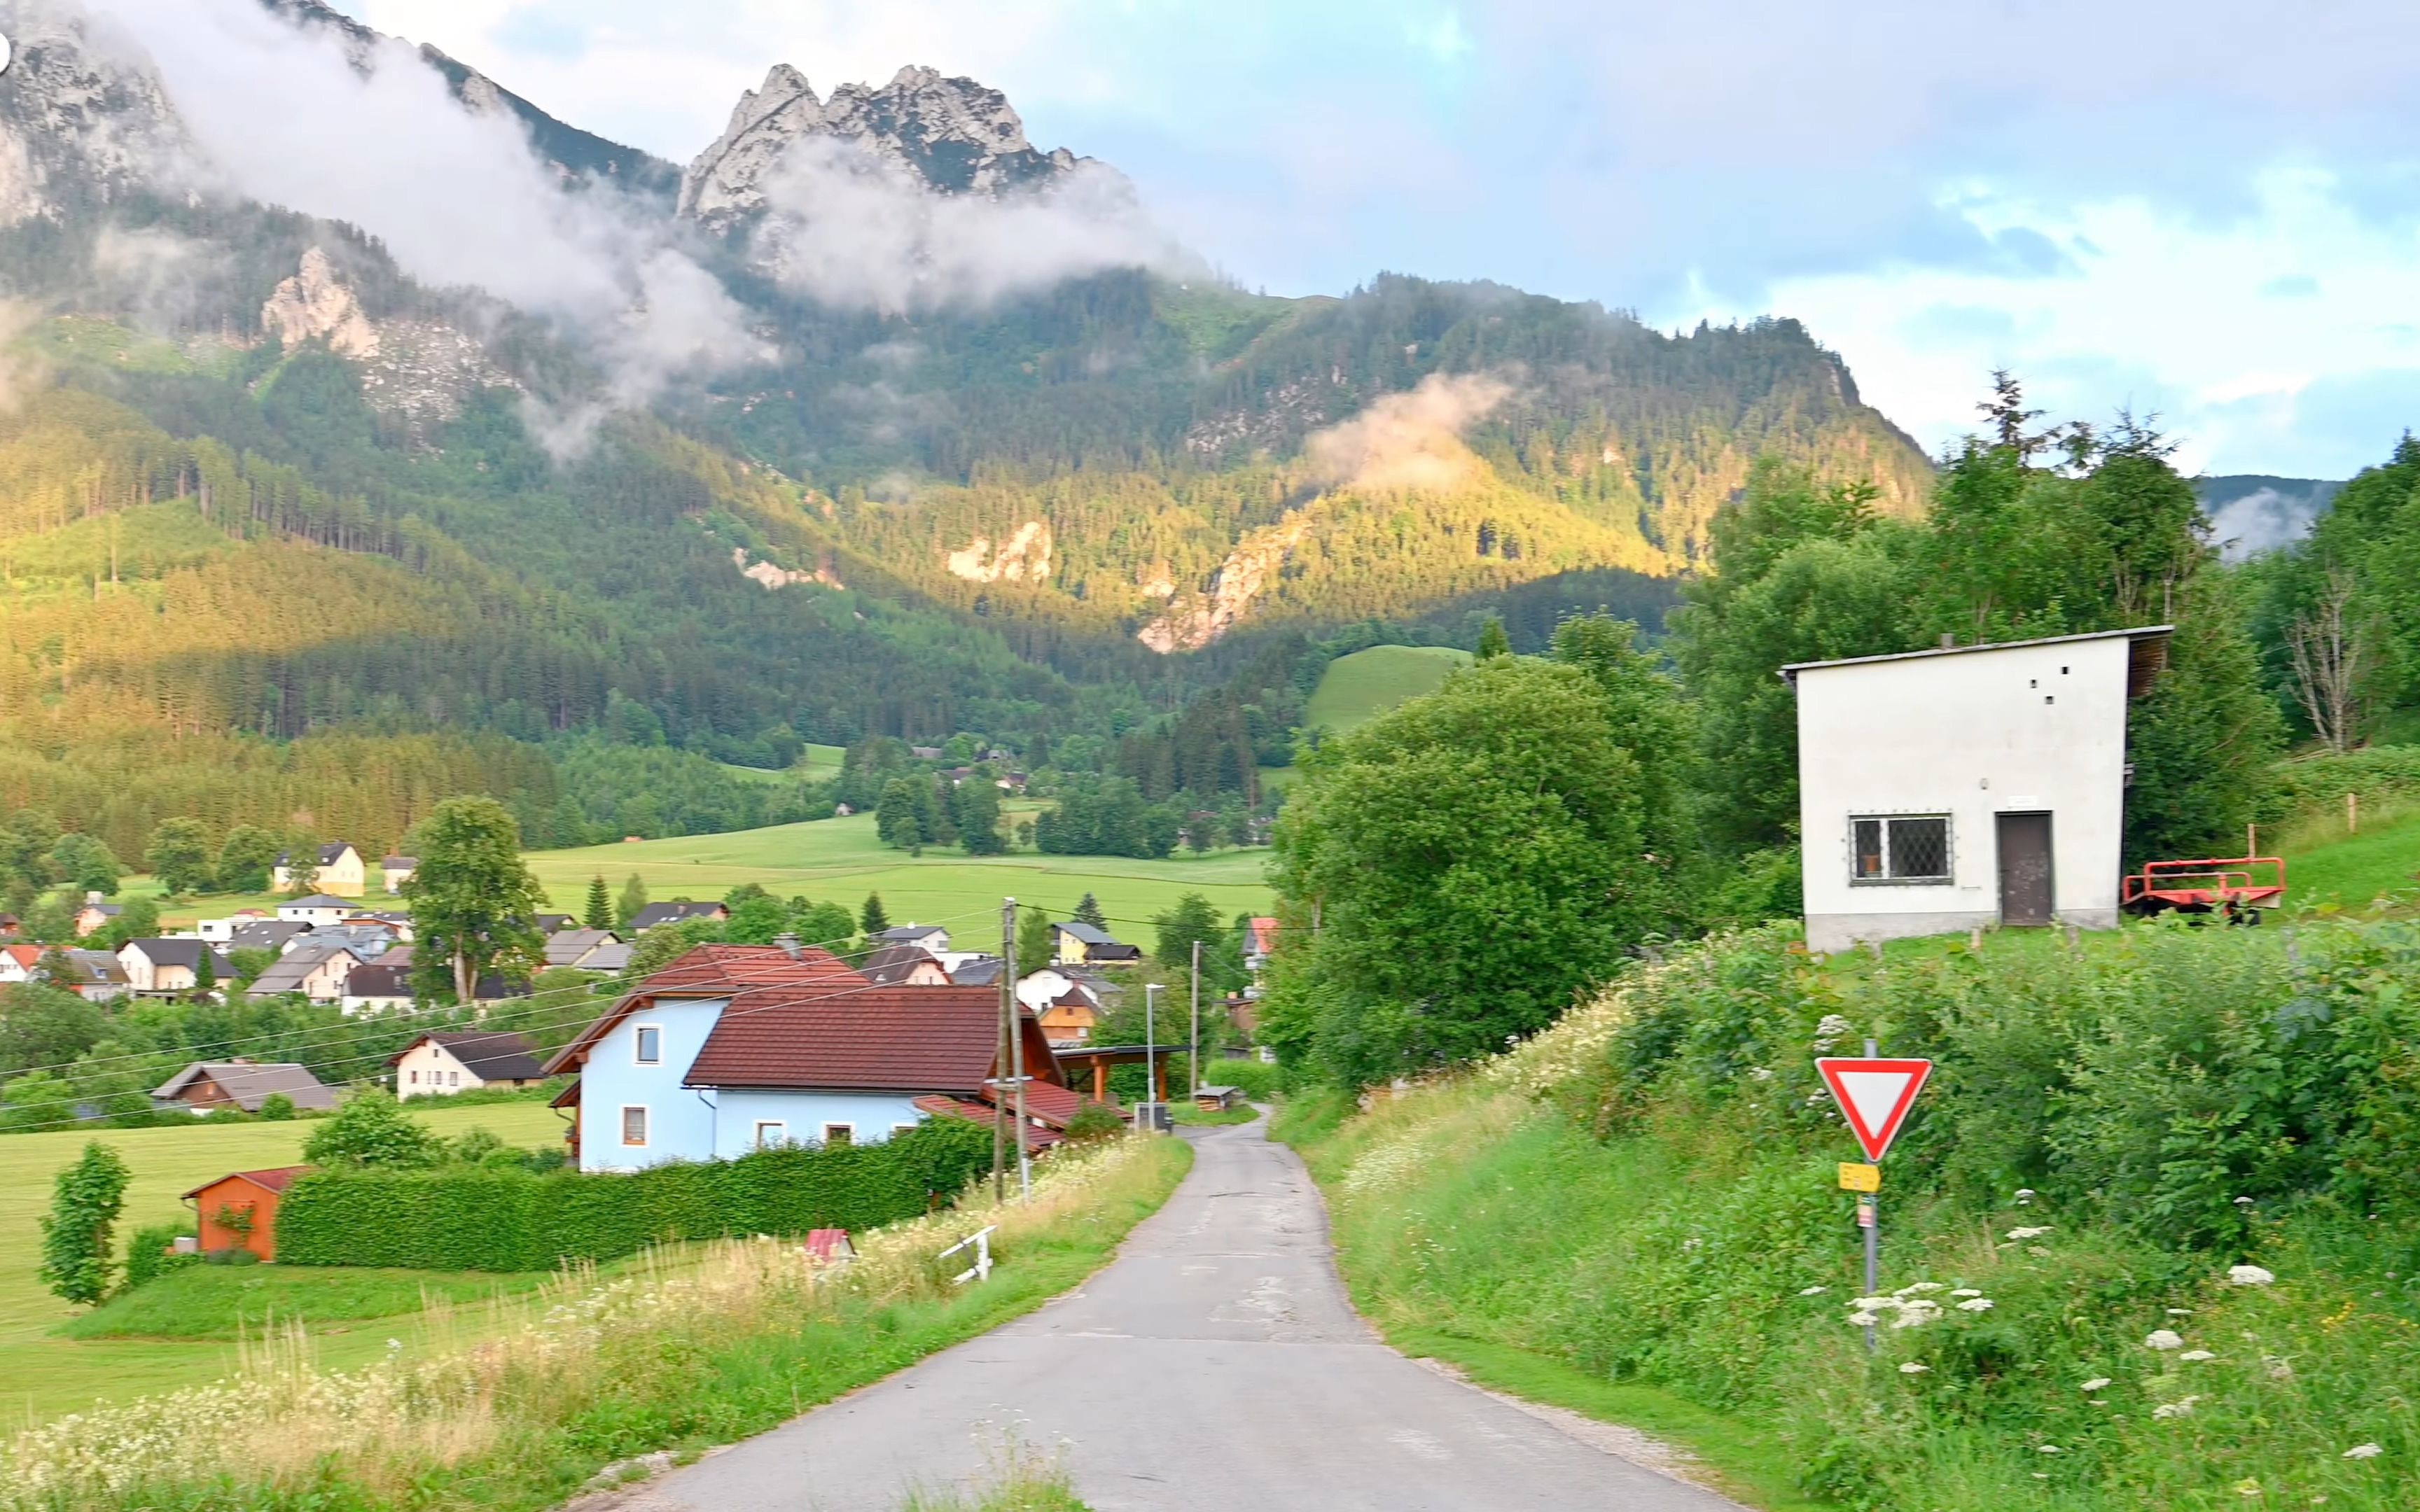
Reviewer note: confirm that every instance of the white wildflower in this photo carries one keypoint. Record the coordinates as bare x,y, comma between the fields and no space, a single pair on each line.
2035,1232
1965,1291
2364,1450
1917,1289
2096,1384
2180,1312
2277,1367
2176,1409
1760,1074
2196,1354
2038,1252
1976,1304
1862,1319
1912,1368
1813,1292
1913,1315
2163,1338
2051,1449
2025,1196
1870,1302
2249,1275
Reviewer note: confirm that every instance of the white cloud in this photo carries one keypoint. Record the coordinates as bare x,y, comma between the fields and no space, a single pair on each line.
1411,442
457,197
856,230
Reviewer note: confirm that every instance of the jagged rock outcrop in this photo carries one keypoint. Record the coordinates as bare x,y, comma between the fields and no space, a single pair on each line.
418,369
83,120
1249,568
957,135
1024,557
773,574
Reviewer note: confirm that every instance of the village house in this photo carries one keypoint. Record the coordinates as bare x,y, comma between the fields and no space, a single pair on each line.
930,938
378,986
1044,986
223,931
239,1211
317,970
396,870
18,962
272,935
734,1048
444,1064
95,914
341,872
570,947
1967,786
170,965
1079,944
679,911
241,1084
905,965
95,976
1070,1020
1259,943
318,909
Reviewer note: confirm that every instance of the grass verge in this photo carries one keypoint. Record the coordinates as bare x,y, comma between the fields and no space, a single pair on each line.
236,1301
682,1351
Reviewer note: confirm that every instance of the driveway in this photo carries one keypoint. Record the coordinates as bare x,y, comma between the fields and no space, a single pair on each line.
1215,1364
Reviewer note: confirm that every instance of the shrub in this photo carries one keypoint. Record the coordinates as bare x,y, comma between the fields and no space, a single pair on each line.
370,1130
85,1204
1094,1120
150,1256
276,1107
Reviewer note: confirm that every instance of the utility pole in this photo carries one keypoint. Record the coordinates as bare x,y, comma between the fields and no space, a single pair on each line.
1007,1000
1193,1057
1016,1052
1150,1045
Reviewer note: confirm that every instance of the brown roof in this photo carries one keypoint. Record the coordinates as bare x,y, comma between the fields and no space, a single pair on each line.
716,971
276,1178
984,1112
900,1039
248,1084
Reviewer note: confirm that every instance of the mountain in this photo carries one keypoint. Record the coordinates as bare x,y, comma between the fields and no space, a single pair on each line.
2251,512
877,418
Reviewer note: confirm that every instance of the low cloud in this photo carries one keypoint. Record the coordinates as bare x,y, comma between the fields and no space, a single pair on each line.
1409,443
2262,520
20,371
456,196
855,231
160,280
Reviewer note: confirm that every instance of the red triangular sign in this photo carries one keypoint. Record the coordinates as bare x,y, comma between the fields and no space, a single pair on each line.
1874,1095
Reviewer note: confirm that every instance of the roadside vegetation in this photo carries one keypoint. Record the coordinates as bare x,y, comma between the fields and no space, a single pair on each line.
2147,1240
683,1350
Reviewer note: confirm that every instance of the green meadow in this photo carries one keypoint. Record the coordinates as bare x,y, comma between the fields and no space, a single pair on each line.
1357,689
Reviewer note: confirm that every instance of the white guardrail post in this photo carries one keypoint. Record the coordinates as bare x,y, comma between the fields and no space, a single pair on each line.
981,1269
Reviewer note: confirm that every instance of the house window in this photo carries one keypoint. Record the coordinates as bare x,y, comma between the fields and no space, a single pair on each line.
771,1134
635,1126
650,1045
415,1078
840,1134
1900,848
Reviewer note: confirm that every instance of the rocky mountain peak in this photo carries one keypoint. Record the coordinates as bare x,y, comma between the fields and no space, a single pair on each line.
83,120
958,137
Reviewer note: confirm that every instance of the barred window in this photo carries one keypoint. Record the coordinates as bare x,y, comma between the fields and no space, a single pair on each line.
1900,848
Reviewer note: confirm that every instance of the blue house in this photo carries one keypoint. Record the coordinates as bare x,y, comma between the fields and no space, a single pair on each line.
734,1049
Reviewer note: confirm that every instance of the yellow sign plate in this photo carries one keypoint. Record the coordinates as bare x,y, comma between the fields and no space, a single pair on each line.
1857,1178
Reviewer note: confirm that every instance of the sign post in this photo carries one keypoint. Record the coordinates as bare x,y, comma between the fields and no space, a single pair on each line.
1874,1095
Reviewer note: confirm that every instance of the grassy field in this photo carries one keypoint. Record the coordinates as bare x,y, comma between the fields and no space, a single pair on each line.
839,860
1357,689
49,1373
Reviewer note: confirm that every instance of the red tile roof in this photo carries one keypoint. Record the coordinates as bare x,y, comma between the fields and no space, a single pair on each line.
899,1039
982,1112
277,1179
717,971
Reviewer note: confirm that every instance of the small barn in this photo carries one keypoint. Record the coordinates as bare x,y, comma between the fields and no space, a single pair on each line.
238,1211
1967,786
246,1085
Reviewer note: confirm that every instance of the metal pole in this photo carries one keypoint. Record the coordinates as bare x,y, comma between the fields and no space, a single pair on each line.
1016,1057
1193,1057
1150,1045
998,1103
1873,1215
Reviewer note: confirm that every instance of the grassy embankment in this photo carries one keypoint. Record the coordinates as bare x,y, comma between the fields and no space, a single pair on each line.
1634,1216
682,1351
58,1363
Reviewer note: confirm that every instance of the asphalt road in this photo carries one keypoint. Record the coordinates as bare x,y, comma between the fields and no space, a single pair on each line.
1215,1364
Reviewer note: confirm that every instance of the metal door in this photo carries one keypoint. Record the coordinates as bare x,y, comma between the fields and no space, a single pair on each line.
2024,869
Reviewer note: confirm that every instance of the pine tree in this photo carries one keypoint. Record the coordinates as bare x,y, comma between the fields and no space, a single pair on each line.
1088,911
872,921
599,913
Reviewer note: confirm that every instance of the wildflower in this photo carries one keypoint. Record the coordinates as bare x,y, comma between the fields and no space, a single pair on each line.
2180,1312
1965,1291
2038,1252
2364,1450
2036,1232
2277,1367
1912,1368
2176,1409
2249,1275
2196,1354
2051,1449
2163,1338
1876,1301
1862,1319
1914,1317
2096,1384
1813,1292
2244,1202
1917,1289
2247,1488
1976,1304
2025,1196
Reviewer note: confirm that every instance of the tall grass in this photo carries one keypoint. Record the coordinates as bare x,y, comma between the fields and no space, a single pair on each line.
684,1348
1646,1193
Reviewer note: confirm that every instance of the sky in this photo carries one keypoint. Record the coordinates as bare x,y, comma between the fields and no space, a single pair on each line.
2208,211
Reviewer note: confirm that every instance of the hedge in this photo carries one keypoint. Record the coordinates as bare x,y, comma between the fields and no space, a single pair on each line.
465,1217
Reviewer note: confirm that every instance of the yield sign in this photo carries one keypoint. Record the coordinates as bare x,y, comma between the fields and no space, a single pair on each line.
1876,1095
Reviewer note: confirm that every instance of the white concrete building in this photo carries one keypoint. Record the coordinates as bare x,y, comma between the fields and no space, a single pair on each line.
1971,785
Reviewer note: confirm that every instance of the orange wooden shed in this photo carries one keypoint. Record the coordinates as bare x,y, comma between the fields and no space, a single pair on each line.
238,1211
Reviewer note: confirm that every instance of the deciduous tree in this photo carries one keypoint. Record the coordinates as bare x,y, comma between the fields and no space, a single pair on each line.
474,904
86,1202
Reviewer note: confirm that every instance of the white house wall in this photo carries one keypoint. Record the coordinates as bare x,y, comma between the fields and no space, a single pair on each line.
804,1116
1972,735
